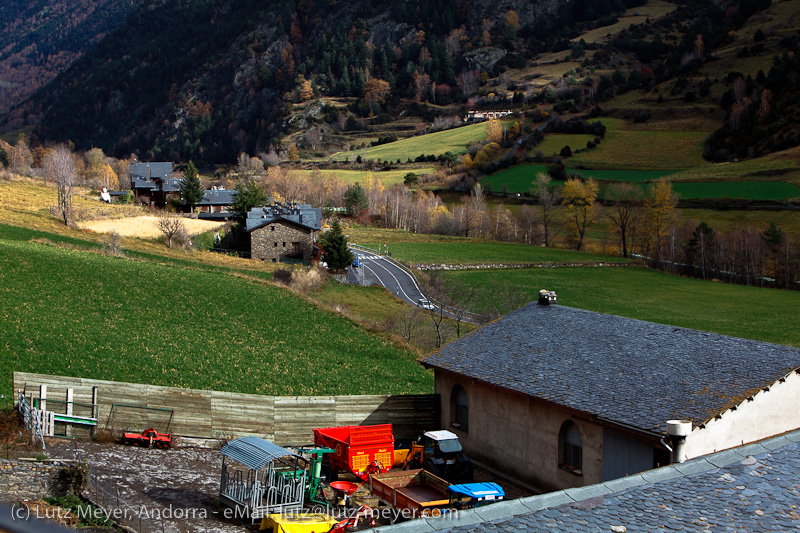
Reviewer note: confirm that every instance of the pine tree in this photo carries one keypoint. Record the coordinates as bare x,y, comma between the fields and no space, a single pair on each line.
191,188
248,195
334,247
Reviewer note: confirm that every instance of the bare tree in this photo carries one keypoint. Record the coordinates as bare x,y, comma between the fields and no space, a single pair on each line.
625,211
249,167
408,322
59,166
170,226
549,213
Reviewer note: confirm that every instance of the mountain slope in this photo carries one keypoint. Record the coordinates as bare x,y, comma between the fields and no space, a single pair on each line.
41,38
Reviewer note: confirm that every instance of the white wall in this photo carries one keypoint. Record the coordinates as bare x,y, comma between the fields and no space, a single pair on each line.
769,413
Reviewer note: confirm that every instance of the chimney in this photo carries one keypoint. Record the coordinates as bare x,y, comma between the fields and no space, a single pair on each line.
678,430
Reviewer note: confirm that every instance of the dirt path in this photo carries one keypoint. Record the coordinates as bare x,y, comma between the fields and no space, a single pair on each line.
151,490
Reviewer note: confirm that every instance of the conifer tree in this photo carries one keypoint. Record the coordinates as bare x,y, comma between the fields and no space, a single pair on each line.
334,247
191,188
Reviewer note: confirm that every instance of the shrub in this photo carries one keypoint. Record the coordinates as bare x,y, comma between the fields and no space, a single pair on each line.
204,241
283,275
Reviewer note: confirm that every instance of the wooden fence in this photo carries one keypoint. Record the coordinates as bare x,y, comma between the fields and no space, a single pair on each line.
284,420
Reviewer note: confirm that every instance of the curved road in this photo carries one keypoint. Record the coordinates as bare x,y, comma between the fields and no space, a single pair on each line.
377,270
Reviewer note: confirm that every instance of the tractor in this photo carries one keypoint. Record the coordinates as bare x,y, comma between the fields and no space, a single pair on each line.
440,453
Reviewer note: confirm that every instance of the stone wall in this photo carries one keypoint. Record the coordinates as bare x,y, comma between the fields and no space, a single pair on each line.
274,241
27,480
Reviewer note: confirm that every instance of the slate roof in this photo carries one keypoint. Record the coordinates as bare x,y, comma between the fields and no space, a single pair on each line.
157,170
749,488
299,214
628,371
218,197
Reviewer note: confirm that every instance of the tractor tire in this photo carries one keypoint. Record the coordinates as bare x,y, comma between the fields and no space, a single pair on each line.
436,470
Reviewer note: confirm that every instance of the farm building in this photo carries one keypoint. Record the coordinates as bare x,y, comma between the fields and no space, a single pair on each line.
281,231
152,183
560,397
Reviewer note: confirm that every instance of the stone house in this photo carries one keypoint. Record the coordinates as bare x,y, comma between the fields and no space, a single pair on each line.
282,231
559,397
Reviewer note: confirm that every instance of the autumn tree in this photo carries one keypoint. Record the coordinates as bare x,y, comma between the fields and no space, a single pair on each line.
661,212
376,91
625,211
21,158
579,198
248,167
494,131
191,189
59,166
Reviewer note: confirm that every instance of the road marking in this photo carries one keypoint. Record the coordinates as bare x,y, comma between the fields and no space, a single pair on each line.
399,285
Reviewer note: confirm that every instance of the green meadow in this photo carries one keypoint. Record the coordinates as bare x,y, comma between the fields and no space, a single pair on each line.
455,141
78,313
755,313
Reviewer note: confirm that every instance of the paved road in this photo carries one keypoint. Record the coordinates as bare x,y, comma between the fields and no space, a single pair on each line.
377,270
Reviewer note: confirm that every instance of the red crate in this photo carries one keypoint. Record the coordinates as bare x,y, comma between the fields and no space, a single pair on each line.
360,450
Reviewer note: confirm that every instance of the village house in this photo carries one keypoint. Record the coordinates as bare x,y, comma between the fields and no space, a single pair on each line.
560,397
152,183
280,231
217,201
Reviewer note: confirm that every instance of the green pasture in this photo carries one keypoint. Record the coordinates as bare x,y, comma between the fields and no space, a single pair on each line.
750,312
472,252
763,168
455,141
554,142
749,190
632,176
626,149
517,179
387,177
85,314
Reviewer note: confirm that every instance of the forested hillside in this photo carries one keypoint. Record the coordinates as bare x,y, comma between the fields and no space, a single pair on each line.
213,78
40,38
210,79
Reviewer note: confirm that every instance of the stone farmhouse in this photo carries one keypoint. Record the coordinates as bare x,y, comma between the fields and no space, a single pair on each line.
560,397
282,231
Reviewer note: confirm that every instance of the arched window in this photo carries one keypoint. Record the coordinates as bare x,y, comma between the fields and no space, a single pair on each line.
570,448
460,408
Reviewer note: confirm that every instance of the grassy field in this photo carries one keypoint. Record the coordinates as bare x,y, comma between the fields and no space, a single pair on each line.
145,226
653,9
762,314
518,179
631,176
554,142
783,165
472,252
635,150
455,141
387,177
751,190
92,315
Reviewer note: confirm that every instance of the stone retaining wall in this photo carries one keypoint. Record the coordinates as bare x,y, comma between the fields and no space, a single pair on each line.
489,266
27,480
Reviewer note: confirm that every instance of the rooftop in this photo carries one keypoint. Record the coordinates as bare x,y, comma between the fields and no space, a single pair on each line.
627,371
750,488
